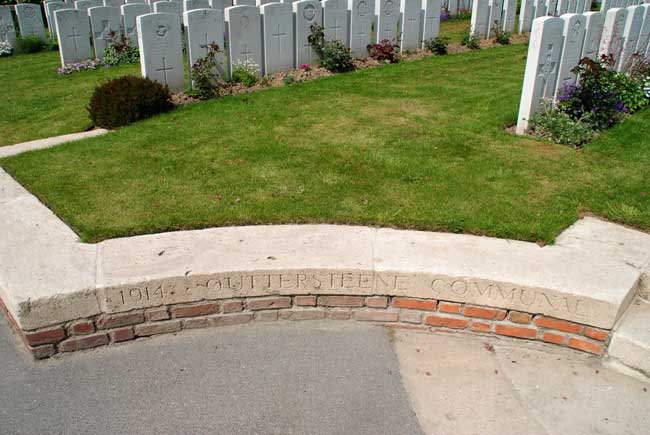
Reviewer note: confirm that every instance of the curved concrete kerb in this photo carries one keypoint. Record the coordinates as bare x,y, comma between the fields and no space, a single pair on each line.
12,150
60,291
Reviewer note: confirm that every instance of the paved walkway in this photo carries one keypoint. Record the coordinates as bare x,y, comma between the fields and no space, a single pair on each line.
318,378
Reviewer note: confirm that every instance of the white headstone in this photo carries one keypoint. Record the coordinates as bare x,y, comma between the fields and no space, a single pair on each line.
509,13
574,38
132,2
496,10
544,50
130,13
113,3
306,13
410,10
587,7
259,3
105,25
480,16
245,42
573,6
595,23
7,28
431,19
277,31
84,5
165,7
388,17
244,2
551,8
452,7
612,40
161,52
540,8
361,19
30,20
606,5
204,27
220,4
335,21
73,29
580,8
562,7
631,32
644,35
50,7
190,5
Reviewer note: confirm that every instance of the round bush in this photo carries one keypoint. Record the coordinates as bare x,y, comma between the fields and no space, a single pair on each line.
127,99
30,44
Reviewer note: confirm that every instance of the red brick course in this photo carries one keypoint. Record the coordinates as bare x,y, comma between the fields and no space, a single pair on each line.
45,336
447,322
415,304
83,342
195,310
377,302
81,327
341,301
110,321
449,307
515,331
268,303
586,346
557,324
306,301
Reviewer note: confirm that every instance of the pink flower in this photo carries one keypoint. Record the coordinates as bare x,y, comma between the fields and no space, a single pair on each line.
305,67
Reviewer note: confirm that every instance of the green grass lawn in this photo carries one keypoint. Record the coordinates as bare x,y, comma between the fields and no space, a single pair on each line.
418,145
37,103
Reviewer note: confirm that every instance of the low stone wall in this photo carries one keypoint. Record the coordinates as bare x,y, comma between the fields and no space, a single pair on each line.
431,314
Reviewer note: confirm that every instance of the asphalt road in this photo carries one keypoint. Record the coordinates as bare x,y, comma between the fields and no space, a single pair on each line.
283,378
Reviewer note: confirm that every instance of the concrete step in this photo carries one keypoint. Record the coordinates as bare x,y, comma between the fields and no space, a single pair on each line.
630,345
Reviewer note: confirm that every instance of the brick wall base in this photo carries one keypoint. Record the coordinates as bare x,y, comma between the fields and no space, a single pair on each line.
429,314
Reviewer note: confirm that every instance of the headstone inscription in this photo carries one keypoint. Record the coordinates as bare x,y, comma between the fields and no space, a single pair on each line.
388,17
431,20
277,31
7,28
361,19
105,26
540,77
335,21
73,28
594,24
243,26
574,38
306,13
161,52
204,27
30,20
410,10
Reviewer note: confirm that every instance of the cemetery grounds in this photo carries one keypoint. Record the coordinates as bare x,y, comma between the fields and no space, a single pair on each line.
426,144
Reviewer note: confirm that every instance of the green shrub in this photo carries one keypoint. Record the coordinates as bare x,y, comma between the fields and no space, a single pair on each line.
245,73
334,56
289,79
385,51
205,77
30,44
437,45
500,36
127,99
631,92
559,127
470,40
120,51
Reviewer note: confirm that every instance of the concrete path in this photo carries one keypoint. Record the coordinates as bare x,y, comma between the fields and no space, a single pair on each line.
39,144
462,384
281,378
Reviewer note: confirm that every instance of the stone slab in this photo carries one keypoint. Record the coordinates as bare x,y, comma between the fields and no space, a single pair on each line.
630,343
161,52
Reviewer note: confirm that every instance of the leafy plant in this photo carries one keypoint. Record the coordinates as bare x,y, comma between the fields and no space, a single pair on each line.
500,36
470,40
127,99
464,14
6,49
559,127
289,79
205,76
334,56
30,44
631,92
437,45
596,94
120,51
246,73
385,51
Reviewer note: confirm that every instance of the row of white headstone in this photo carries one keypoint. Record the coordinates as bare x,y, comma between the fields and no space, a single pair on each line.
273,37
489,15
558,44
454,7
532,9
609,4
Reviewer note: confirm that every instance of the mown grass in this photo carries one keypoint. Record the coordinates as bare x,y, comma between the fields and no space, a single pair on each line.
417,145
37,103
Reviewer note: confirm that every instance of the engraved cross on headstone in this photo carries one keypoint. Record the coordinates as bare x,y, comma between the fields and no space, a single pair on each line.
246,54
546,69
361,33
411,20
336,28
164,69
278,36
74,37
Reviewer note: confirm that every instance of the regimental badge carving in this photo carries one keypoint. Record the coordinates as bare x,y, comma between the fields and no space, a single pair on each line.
362,8
389,7
309,12
161,30
30,12
244,21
